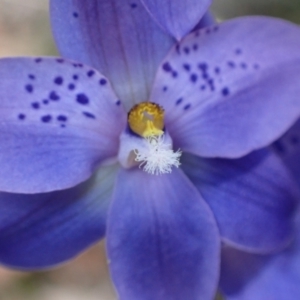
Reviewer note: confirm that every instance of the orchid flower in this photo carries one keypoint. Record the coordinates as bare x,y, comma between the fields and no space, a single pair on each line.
151,136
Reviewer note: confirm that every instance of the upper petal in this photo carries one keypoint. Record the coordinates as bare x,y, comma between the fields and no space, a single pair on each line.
232,88
59,121
118,37
43,230
162,239
248,277
176,16
246,195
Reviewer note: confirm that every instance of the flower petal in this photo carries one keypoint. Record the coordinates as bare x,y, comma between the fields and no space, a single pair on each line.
117,37
288,148
248,277
226,91
42,230
162,239
246,195
59,120
176,16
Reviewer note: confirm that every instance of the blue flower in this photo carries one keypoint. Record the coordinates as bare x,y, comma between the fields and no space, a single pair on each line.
71,136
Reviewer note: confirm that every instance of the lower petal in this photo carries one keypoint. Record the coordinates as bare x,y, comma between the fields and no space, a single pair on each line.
248,277
288,149
162,239
246,195
43,230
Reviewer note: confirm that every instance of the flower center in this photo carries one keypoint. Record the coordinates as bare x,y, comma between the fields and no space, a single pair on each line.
146,119
147,143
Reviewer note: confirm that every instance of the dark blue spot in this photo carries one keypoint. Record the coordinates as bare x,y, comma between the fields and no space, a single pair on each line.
77,65
197,33
231,64
46,119
31,76
216,28
177,48
58,80
75,77
178,101
243,65
193,77
165,88
62,125
103,81
195,47
45,101
256,66
75,14
29,88
166,67
211,84
217,70
238,51
53,96
205,75
203,66
174,74
60,60
187,67
207,31
203,87
62,118
35,105
21,116
186,50
89,115
90,73
187,106
118,102
82,99
38,60
71,86
225,91
133,5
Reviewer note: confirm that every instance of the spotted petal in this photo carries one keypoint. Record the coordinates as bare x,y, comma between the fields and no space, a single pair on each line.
43,230
117,37
176,16
59,121
232,88
246,195
162,239
247,277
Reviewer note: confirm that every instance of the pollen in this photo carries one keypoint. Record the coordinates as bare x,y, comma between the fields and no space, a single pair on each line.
146,119
157,157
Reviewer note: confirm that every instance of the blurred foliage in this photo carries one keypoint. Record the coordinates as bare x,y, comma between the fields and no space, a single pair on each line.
286,9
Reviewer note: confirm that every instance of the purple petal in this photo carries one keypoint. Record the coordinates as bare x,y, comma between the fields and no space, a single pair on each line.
118,37
207,20
57,124
249,277
288,148
247,195
162,239
176,16
226,91
42,230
